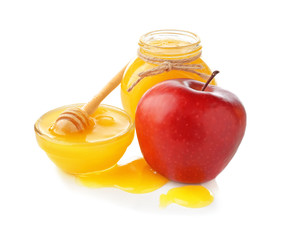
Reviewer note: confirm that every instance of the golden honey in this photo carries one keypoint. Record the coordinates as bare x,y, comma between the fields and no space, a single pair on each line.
163,44
134,177
94,150
190,196
137,177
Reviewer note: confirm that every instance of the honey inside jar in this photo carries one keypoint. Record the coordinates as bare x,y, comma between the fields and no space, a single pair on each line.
94,150
166,45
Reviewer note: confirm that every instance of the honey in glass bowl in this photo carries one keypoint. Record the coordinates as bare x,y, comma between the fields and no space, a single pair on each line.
89,151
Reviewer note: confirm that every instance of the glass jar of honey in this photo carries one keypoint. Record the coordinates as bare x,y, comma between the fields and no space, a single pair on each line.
162,55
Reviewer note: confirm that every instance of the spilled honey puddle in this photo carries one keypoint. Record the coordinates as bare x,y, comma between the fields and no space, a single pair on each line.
134,177
191,196
137,177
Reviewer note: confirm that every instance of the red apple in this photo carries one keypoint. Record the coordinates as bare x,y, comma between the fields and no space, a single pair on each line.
189,134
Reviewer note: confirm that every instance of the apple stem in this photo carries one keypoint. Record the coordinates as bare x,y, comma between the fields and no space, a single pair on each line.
209,80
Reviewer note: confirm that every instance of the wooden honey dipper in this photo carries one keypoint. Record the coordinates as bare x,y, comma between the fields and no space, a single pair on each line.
74,120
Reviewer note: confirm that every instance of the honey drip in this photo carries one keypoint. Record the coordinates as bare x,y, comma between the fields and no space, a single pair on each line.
134,177
190,196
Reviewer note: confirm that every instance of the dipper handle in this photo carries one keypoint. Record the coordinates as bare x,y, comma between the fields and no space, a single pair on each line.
92,105
75,119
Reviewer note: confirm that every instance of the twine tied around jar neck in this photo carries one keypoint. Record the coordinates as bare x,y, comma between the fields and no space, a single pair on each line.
164,65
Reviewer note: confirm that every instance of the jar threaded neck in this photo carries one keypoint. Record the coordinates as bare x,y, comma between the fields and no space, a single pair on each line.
170,44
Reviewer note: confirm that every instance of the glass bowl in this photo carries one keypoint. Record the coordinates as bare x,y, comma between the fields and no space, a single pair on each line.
83,153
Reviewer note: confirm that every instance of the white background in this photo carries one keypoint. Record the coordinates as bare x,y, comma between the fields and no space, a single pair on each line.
54,53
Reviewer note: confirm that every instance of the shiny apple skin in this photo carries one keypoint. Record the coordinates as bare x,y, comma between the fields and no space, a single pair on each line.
186,134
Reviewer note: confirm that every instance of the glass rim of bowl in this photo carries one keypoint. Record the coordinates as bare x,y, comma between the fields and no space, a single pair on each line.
62,140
